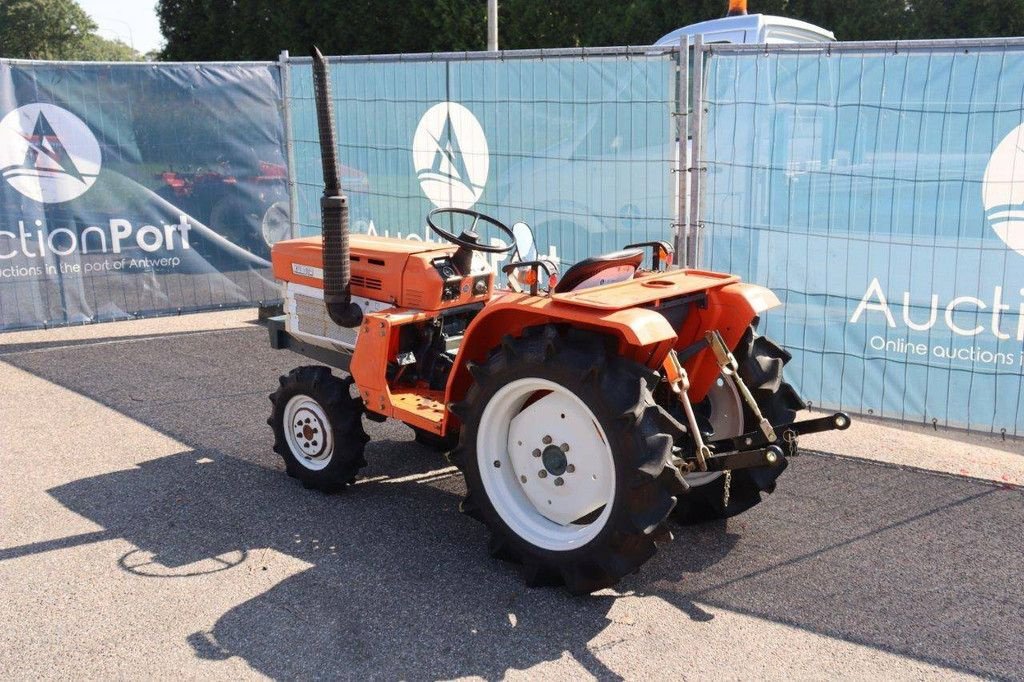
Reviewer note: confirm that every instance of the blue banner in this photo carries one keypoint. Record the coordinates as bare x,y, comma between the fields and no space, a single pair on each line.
580,147
137,189
881,194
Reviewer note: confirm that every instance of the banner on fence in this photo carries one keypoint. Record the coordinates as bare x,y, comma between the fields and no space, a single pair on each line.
137,189
880,191
579,145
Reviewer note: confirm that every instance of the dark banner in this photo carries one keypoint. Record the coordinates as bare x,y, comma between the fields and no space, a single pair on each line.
137,189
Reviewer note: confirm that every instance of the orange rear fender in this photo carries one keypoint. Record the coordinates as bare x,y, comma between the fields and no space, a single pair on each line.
643,335
730,310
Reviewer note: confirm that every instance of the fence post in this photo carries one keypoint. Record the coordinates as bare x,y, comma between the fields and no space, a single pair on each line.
289,143
694,237
682,226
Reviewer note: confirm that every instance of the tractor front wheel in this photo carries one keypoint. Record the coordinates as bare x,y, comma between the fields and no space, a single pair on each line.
567,458
318,428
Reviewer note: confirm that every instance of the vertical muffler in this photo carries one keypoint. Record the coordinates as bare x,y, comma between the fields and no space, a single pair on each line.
333,208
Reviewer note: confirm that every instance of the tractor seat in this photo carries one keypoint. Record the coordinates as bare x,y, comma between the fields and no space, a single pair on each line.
617,266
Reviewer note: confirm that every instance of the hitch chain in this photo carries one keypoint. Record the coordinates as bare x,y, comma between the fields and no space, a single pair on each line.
730,368
680,385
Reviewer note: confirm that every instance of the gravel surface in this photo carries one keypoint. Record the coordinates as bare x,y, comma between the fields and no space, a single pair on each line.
146,529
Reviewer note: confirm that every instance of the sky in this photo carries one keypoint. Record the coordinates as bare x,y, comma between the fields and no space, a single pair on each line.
133,22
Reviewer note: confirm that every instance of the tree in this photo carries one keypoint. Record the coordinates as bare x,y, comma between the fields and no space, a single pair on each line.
98,49
968,18
54,29
43,29
260,29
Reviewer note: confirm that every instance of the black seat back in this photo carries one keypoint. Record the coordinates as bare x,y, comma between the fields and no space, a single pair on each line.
589,267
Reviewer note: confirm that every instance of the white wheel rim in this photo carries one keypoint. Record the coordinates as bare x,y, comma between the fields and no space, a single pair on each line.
308,432
726,409
540,497
274,226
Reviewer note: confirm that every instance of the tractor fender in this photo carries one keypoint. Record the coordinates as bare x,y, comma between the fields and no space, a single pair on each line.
730,310
757,298
642,335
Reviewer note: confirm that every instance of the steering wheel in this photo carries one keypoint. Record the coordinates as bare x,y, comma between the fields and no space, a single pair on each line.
469,239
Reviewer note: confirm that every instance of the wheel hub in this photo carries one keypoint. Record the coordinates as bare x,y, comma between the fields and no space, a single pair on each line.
555,485
308,433
567,473
308,428
555,461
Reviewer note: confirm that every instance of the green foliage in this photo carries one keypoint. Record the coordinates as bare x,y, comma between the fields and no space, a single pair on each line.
54,29
260,29
98,49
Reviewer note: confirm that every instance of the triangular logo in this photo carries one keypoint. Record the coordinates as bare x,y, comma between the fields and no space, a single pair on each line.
450,155
448,160
46,152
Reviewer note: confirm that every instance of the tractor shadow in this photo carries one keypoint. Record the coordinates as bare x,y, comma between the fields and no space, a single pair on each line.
400,586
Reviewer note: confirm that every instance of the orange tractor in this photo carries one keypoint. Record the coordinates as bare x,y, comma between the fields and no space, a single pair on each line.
583,409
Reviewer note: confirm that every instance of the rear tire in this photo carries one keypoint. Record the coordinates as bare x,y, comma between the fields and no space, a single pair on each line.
318,428
591,507
761,362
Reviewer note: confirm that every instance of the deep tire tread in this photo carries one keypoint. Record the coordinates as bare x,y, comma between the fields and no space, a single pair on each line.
619,392
761,363
344,413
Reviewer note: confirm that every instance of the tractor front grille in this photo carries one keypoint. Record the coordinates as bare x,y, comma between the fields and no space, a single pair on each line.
311,318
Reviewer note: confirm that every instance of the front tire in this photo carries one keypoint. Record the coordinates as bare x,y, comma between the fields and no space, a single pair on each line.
318,428
567,458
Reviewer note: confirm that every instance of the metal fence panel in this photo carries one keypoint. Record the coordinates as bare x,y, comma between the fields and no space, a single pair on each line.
879,189
136,189
580,144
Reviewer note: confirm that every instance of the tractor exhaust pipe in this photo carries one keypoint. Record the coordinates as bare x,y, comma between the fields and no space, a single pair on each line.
333,208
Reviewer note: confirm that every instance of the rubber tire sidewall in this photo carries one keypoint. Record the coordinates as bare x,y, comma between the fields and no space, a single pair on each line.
345,420
627,539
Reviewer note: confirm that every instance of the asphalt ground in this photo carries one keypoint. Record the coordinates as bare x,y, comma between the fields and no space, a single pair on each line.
147,530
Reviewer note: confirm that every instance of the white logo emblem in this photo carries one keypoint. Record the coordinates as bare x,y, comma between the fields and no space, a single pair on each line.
47,153
449,151
1002,191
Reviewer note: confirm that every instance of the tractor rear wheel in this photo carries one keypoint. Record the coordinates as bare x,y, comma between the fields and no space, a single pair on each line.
318,428
761,362
567,458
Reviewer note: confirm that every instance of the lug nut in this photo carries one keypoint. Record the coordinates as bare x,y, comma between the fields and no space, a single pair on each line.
570,469
546,440
522,479
542,473
536,453
565,447
559,481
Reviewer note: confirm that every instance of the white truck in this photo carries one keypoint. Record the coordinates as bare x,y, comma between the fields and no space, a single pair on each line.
740,27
